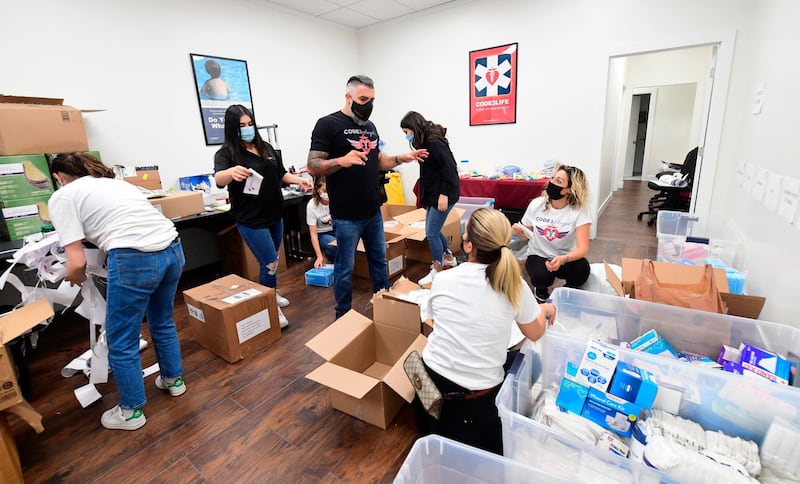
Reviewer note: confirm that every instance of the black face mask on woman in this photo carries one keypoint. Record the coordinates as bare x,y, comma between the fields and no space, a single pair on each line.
554,191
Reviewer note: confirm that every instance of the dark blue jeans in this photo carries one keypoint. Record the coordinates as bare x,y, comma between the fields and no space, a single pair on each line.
434,221
265,244
139,283
325,240
348,232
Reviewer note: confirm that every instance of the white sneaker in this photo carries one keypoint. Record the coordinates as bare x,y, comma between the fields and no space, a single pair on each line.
176,388
118,419
284,322
448,263
427,280
282,301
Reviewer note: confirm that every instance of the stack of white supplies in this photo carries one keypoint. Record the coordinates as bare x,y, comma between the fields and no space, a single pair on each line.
546,412
780,453
682,449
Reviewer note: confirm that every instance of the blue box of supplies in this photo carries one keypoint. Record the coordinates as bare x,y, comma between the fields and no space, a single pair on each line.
320,277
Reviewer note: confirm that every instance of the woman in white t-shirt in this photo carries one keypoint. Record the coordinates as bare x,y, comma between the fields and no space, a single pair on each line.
145,262
320,224
473,307
556,225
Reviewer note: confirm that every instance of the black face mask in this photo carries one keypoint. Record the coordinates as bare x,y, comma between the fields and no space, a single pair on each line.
362,111
554,191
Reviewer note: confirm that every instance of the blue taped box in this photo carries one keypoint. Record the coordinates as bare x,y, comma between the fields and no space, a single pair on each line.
652,342
319,277
611,412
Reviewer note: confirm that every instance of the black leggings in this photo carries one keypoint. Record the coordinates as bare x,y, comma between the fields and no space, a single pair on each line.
473,422
575,273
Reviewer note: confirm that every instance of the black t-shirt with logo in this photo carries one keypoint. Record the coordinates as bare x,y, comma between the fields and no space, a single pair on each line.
353,191
255,211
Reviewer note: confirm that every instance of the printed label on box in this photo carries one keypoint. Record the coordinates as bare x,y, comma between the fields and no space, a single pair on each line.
196,313
242,296
395,264
252,325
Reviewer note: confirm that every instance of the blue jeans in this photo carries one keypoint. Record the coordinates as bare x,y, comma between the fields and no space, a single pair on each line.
142,283
347,234
434,221
325,239
264,243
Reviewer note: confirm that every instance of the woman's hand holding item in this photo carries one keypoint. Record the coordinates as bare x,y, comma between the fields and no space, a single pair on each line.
520,231
239,173
556,263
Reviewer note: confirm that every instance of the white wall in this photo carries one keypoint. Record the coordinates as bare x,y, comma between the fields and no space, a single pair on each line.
672,124
132,59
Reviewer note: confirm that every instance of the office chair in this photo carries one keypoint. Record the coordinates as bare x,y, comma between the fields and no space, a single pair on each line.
675,198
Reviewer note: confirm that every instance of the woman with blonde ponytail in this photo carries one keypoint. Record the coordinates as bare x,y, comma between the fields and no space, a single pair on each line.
474,306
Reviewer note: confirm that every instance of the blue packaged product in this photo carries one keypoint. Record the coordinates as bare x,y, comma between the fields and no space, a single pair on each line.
571,394
652,342
611,412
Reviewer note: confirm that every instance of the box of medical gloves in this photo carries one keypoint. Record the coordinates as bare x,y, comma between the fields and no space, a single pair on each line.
634,385
233,317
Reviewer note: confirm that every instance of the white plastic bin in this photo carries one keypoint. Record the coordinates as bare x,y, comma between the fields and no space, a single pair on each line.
736,405
617,320
677,243
470,204
435,459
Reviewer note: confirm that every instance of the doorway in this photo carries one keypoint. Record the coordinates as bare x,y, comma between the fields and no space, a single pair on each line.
640,115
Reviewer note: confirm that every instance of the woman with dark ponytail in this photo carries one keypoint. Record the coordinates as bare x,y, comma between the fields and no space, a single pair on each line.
439,187
474,306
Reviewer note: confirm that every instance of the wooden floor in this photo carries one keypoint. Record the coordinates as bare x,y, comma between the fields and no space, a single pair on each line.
259,420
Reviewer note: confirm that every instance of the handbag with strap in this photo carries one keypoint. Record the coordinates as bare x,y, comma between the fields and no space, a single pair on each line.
426,389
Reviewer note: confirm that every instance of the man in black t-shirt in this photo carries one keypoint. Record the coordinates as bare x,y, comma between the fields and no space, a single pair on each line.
344,148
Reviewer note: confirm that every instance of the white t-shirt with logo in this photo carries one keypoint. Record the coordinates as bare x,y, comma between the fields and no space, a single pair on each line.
553,228
472,326
319,215
112,214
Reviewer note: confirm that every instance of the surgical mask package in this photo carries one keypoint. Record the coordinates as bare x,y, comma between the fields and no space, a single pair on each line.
571,394
652,342
597,365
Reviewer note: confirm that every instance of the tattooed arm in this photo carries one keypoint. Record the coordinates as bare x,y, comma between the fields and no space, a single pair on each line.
319,164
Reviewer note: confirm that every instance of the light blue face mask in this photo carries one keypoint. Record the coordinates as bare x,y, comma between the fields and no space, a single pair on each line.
248,133
410,137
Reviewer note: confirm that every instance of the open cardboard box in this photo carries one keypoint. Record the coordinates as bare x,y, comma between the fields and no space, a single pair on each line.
30,125
233,317
14,324
179,204
413,227
364,360
148,178
669,273
395,254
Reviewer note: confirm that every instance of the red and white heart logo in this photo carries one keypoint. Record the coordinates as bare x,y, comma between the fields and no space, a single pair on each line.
492,75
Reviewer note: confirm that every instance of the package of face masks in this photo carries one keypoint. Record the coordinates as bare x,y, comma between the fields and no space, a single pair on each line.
597,365
652,342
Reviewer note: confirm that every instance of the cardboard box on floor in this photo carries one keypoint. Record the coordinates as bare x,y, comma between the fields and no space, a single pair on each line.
237,258
14,324
233,317
364,360
179,204
395,255
669,273
412,220
39,125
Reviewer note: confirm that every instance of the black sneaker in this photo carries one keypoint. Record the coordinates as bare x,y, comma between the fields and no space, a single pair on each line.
541,295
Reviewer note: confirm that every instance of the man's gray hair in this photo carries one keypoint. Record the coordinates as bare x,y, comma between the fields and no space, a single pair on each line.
360,79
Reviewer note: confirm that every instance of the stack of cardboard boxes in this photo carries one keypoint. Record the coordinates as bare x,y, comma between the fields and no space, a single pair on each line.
29,128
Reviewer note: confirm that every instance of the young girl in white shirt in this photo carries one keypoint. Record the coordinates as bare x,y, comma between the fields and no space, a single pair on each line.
320,224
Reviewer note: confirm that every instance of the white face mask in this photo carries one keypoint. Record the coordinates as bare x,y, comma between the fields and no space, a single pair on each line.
323,196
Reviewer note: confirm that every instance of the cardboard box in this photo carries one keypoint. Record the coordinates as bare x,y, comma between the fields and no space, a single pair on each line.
364,360
668,273
237,258
24,177
413,222
14,324
26,216
395,255
10,468
179,204
39,125
233,317
148,178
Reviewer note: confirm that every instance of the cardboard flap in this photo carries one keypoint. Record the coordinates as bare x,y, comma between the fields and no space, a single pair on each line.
744,306
397,379
332,339
26,412
396,313
343,380
17,322
408,218
612,279
31,100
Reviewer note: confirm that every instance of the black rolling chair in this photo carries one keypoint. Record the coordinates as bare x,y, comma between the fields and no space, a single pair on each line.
675,198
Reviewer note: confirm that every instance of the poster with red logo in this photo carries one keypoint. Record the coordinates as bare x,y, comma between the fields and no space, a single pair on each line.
493,85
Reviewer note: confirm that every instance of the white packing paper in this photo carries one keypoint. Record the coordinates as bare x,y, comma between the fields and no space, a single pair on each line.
87,395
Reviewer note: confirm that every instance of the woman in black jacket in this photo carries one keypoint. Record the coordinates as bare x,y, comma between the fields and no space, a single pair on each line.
439,187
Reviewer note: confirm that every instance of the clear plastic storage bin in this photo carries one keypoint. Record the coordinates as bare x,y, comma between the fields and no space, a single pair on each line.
736,405
677,243
435,459
470,204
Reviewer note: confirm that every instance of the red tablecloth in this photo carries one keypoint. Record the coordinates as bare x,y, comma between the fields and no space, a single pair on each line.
507,193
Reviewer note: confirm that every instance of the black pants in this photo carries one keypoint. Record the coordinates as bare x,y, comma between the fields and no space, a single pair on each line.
575,273
473,422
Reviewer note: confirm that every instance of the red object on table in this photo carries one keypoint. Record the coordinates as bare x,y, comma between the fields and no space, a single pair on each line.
507,193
